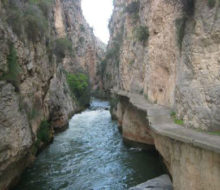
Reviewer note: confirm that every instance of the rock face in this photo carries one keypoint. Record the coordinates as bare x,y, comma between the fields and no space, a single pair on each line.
87,49
169,52
135,127
33,85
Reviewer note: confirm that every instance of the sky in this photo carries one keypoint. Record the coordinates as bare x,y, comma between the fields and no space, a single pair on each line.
97,14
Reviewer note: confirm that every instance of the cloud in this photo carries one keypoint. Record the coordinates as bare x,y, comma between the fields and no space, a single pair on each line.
97,14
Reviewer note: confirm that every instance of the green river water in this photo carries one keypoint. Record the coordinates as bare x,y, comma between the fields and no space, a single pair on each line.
90,155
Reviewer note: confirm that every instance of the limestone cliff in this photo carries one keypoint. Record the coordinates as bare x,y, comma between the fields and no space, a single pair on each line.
87,49
35,41
169,52
162,67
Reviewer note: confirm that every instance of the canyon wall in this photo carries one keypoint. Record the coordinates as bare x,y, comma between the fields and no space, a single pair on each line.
162,67
40,42
168,51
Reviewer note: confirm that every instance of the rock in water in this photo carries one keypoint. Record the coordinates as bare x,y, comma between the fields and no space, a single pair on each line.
159,183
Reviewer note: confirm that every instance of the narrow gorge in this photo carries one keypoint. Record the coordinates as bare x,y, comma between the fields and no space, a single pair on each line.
160,71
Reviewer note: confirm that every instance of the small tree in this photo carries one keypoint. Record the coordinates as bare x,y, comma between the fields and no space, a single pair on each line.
62,46
142,34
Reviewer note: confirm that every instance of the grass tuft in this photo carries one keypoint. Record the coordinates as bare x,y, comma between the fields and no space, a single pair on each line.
175,119
13,73
180,30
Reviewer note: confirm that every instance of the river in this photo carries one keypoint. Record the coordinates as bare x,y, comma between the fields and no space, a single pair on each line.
90,155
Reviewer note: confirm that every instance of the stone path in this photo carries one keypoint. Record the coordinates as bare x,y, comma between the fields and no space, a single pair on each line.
162,124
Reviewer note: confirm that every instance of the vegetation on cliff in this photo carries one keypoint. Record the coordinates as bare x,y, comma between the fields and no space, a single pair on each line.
79,87
142,34
44,137
43,133
211,3
175,119
62,47
28,18
133,7
133,10
188,6
180,30
12,74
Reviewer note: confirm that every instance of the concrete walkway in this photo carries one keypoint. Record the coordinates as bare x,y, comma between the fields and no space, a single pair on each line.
162,123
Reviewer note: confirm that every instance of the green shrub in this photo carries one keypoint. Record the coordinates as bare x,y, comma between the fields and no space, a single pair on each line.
133,8
81,40
175,119
188,7
44,132
4,3
33,113
211,3
146,96
142,34
114,51
45,6
15,20
79,87
173,114
62,46
29,17
178,121
180,30
131,62
82,28
113,103
35,23
102,68
214,133
13,73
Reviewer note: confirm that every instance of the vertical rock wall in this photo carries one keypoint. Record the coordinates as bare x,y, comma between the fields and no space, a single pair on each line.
198,67
168,51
